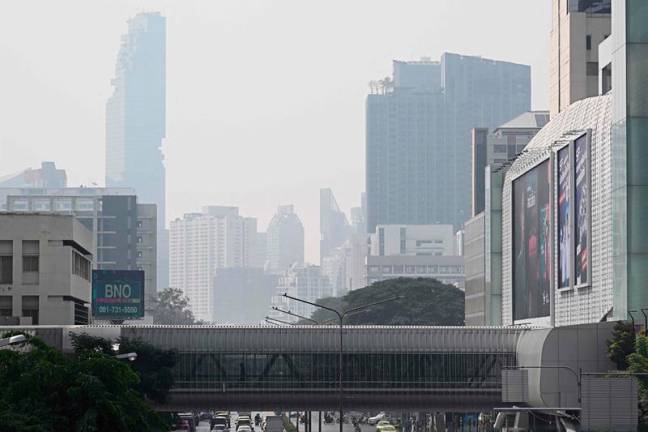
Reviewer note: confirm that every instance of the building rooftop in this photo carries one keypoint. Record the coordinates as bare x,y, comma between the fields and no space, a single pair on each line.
527,120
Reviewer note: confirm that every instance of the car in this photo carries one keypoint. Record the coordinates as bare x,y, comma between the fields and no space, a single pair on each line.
244,428
375,419
383,423
386,428
219,428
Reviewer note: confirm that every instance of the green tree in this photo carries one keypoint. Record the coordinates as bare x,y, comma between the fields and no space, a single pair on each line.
171,307
423,301
622,344
638,363
42,389
153,365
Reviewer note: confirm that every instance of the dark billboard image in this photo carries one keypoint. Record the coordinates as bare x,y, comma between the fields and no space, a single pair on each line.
117,294
564,225
532,243
581,211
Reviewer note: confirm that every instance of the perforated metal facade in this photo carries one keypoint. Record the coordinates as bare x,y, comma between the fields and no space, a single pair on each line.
584,305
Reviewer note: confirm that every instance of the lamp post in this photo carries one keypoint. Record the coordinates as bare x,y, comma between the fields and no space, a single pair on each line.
287,312
12,340
277,321
341,317
131,356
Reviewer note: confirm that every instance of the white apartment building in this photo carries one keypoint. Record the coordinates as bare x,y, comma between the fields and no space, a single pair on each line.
201,243
45,269
432,240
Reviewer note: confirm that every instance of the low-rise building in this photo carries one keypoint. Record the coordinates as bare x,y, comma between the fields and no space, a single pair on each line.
446,269
45,269
125,235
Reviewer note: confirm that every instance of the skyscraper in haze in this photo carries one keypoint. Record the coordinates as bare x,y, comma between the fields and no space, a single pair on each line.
136,120
334,226
285,240
419,135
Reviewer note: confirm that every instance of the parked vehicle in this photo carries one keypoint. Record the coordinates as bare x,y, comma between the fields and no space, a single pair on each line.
375,419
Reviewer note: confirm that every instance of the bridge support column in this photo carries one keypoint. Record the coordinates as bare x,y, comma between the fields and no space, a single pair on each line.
320,422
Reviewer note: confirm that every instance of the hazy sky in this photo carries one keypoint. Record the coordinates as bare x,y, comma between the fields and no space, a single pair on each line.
265,99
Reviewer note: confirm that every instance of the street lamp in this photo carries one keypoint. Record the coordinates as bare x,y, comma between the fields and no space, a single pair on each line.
131,356
268,319
341,317
287,312
12,340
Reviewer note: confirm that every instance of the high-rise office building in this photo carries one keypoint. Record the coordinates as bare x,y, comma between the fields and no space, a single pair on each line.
419,133
334,226
577,29
202,243
47,176
285,240
136,120
499,146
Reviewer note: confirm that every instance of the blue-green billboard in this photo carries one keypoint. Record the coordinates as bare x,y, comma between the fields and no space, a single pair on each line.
117,294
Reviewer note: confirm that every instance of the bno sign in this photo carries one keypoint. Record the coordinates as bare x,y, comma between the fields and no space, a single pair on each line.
117,294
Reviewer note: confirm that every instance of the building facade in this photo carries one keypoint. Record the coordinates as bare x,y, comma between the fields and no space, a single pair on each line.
123,237
285,240
202,243
242,295
45,269
446,269
136,121
577,29
418,135
434,240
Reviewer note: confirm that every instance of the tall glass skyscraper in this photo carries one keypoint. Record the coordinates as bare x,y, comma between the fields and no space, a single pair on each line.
419,135
135,120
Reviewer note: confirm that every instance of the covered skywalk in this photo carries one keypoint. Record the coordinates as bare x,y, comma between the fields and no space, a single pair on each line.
296,367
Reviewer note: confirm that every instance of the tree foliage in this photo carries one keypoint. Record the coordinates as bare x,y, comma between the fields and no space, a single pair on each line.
153,366
622,344
423,301
42,389
171,307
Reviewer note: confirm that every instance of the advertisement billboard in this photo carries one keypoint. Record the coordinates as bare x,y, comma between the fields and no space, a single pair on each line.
117,294
564,218
532,243
581,211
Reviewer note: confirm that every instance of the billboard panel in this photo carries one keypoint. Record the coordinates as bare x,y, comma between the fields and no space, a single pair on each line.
581,211
564,225
117,294
532,243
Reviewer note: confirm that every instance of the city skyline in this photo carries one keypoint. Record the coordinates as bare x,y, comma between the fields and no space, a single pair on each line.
328,80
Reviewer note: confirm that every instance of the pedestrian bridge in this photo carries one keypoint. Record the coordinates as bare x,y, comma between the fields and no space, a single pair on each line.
296,367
